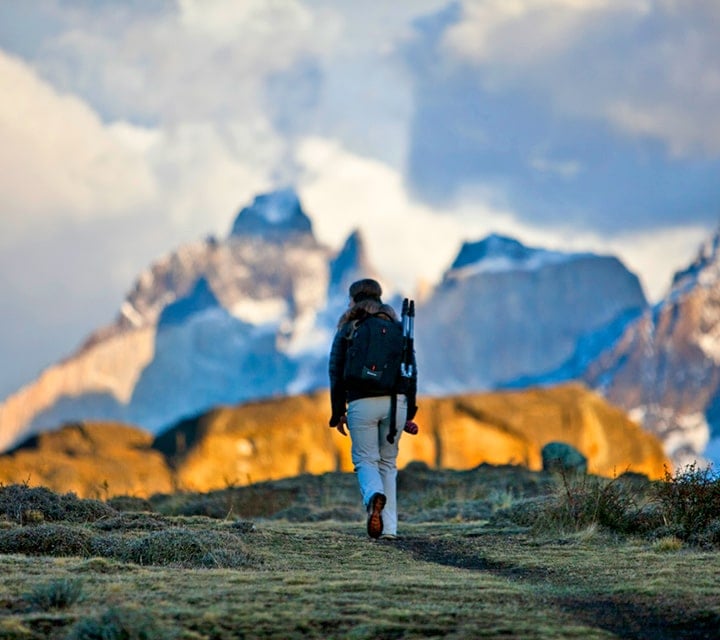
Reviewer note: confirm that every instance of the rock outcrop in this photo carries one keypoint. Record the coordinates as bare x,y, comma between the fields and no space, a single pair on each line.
289,436
665,368
93,460
505,313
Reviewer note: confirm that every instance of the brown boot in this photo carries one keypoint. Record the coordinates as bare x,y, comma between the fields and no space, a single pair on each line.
375,522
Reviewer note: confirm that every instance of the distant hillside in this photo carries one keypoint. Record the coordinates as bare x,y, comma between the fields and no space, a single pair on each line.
289,436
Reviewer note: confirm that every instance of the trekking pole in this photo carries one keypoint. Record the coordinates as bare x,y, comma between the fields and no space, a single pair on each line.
408,318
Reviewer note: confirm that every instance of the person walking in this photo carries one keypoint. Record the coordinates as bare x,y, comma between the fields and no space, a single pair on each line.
368,413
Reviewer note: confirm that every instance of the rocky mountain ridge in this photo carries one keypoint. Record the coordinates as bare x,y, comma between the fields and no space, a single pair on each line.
251,315
664,369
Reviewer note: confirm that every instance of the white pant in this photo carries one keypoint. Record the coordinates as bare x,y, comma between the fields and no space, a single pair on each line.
375,459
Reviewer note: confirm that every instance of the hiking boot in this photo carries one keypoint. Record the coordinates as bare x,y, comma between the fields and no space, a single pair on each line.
375,507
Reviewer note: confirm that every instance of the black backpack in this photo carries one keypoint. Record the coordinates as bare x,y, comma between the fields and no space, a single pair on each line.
374,355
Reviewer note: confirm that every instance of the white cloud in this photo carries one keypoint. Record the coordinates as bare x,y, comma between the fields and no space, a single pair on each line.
518,33
57,160
407,241
199,60
60,163
204,172
221,21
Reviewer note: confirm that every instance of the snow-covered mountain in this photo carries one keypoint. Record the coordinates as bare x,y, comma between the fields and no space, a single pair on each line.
221,321
505,313
217,321
665,367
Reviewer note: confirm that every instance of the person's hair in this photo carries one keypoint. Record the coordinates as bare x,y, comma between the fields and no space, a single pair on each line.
365,295
367,307
364,289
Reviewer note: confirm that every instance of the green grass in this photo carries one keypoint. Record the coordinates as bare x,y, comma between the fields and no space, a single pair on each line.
135,575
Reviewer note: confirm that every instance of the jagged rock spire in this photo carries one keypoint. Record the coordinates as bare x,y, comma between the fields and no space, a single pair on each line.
350,264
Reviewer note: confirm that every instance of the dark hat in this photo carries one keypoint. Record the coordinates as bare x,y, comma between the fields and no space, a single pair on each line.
364,289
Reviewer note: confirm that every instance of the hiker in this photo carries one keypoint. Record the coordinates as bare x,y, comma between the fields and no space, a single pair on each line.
367,412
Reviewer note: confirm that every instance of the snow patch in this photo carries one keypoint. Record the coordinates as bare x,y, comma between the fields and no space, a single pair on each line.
504,264
279,206
257,312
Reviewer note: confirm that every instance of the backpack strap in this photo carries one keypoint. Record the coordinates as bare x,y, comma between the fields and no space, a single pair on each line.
350,328
393,419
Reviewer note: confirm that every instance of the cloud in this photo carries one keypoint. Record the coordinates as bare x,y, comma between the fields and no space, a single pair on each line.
651,69
522,33
193,60
57,160
412,243
407,240
601,112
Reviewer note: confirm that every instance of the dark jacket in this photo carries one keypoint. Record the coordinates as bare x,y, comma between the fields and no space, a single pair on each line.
341,394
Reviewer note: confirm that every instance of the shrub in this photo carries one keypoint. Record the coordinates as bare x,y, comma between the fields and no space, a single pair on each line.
27,505
668,543
56,594
582,502
120,623
19,500
46,539
690,503
187,548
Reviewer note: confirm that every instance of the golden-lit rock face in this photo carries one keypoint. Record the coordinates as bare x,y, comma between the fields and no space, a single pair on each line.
289,436
93,460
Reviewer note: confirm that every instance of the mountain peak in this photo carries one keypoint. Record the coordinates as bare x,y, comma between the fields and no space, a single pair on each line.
491,247
274,216
350,263
708,256
497,253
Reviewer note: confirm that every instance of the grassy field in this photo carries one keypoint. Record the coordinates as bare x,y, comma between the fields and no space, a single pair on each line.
489,553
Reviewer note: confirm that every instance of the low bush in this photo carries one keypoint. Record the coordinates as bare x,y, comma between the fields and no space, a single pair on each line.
29,505
689,502
184,547
581,502
684,506
120,623
56,594
46,539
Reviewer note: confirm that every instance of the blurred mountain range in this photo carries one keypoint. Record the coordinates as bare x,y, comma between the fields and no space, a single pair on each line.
226,320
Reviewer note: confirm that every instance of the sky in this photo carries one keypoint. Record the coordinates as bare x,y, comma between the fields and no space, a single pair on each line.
128,128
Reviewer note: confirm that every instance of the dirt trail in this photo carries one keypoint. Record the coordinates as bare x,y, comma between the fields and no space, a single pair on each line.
636,619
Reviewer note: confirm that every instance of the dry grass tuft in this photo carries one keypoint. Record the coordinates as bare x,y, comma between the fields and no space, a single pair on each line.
27,505
187,548
46,539
59,593
668,543
120,623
